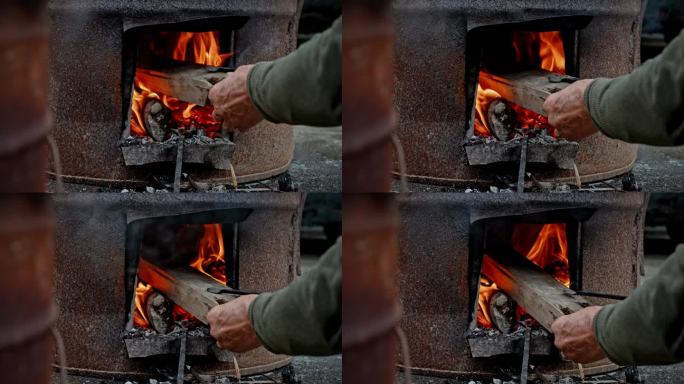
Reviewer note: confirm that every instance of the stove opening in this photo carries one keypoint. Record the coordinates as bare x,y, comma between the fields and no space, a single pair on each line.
551,241
201,245
510,70
169,70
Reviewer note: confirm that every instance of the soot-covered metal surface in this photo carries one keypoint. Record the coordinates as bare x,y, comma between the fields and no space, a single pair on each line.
433,76
435,269
91,263
88,82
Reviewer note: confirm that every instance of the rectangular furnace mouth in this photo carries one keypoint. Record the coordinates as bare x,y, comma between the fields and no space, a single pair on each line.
169,70
202,244
511,69
550,240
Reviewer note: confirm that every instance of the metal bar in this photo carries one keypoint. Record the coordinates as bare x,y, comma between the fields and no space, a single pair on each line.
526,358
601,295
521,167
179,166
180,377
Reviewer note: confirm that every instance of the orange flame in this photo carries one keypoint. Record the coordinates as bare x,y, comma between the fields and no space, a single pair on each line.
552,52
546,246
544,49
210,256
484,98
194,47
487,290
549,250
210,261
142,293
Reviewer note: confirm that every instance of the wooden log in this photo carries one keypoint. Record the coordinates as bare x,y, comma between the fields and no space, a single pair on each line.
187,83
502,312
528,89
542,296
159,313
185,287
501,118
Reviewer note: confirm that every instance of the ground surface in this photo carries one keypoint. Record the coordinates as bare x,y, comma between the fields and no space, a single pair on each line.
310,370
316,166
657,169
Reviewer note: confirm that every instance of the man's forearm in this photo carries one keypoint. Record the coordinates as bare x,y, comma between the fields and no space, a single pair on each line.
646,106
303,318
647,327
303,87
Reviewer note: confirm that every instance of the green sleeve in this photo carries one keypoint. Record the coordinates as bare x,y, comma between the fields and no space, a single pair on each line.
304,87
646,106
303,318
647,327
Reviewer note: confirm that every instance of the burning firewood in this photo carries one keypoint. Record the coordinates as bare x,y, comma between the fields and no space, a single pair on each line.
159,312
157,120
501,119
190,83
187,287
528,89
502,312
542,296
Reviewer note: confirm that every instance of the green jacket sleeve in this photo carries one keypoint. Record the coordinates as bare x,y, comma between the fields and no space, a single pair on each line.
305,317
647,327
646,106
304,87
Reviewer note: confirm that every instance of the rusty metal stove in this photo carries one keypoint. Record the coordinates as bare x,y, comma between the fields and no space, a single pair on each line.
93,61
441,244
438,56
96,270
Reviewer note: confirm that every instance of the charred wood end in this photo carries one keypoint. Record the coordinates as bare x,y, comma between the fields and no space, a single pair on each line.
501,118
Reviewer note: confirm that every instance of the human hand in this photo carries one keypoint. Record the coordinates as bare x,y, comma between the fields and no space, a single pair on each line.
231,101
567,113
575,337
229,325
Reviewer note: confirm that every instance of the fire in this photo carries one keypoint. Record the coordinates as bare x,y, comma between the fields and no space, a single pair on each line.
487,290
210,261
546,245
549,251
552,52
142,292
210,256
193,47
544,50
484,98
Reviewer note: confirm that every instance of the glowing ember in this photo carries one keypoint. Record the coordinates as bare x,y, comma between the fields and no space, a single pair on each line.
193,47
536,49
546,246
